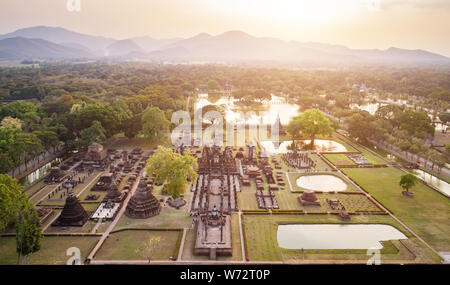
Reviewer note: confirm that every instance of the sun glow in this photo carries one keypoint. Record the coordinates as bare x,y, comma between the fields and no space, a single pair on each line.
290,11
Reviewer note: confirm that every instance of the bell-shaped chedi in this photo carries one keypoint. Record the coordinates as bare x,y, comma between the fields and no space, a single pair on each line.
308,198
73,214
143,204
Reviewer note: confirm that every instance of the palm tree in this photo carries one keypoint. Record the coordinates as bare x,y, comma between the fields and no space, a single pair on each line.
407,181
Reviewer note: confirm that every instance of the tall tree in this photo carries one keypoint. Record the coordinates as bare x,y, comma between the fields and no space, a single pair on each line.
407,181
312,123
95,133
174,169
10,198
28,231
155,125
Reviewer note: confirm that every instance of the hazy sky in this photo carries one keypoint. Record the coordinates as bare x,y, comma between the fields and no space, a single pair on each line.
421,24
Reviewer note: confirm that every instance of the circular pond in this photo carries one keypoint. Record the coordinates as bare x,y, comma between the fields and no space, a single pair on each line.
326,183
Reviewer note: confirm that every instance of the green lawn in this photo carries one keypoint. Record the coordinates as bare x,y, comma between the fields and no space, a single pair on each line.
339,159
372,158
123,245
169,218
262,244
53,249
428,213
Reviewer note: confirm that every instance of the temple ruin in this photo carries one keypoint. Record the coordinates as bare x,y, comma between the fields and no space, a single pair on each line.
308,198
56,175
143,204
298,160
95,156
214,199
73,214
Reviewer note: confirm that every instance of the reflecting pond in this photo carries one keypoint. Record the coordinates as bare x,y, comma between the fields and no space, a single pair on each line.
320,145
326,183
370,107
440,184
330,236
266,112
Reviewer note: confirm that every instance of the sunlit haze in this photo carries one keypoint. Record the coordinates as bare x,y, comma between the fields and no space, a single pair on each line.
417,24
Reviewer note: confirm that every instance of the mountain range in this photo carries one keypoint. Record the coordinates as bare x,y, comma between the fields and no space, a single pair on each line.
43,42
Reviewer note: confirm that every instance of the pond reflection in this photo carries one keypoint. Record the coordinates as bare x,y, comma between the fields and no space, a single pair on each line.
330,236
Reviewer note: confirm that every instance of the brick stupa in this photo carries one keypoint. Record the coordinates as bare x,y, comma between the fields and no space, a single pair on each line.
143,204
73,214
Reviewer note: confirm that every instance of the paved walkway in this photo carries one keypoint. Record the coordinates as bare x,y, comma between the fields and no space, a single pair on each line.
241,234
180,251
116,220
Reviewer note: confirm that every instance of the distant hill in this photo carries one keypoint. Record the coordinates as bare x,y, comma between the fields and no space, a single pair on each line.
239,46
23,48
60,36
232,46
122,47
150,44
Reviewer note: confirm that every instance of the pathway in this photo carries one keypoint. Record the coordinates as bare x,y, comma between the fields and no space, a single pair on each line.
241,234
180,251
116,220
94,229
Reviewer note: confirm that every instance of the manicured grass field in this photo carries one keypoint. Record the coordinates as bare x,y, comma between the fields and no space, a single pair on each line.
262,244
428,213
53,249
372,158
339,159
123,245
169,218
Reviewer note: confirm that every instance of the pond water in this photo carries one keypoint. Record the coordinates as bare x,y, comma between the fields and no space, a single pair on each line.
326,183
268,110
370,107
320,145
39,173
330,236
440,184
